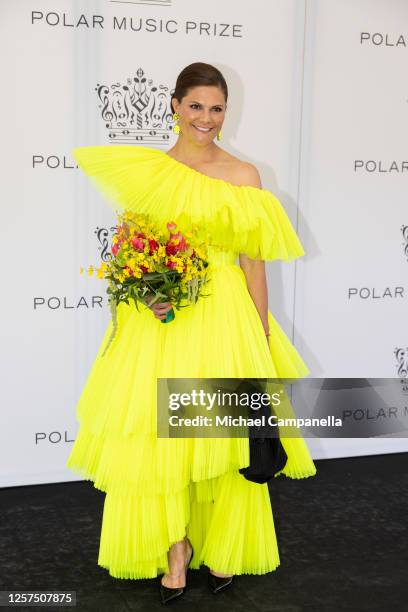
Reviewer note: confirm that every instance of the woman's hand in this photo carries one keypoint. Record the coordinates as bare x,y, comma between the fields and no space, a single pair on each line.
159,309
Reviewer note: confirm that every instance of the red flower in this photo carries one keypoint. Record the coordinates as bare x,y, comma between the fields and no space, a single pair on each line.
144,268
153,246
171,249
182,245
115,248
171,264
171,226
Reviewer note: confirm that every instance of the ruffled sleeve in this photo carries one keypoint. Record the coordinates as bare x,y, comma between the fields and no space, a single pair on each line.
260,227
121,173
242,219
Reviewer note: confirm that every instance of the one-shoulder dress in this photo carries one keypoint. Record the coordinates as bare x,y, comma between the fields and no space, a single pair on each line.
158,490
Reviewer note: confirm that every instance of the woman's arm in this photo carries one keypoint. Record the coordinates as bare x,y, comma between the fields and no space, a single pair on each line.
254,269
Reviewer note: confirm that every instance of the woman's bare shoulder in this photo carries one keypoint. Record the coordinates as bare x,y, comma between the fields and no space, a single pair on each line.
240,172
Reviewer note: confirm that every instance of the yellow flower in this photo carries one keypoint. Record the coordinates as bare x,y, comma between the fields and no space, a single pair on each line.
199,252
81,270
90,270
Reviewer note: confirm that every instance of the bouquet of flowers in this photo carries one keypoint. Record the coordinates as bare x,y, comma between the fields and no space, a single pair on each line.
148,266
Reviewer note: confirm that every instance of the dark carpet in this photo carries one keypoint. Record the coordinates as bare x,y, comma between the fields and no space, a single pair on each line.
342,539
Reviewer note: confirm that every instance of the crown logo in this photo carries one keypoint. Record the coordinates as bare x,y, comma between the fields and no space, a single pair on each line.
404,231
401,355
104,236
138,111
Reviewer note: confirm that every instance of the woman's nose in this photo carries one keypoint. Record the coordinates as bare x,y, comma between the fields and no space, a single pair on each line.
205,116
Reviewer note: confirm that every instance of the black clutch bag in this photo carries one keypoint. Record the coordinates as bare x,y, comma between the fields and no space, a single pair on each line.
266,453
267,457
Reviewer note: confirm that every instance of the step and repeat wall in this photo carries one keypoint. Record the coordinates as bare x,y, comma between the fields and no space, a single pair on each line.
317,102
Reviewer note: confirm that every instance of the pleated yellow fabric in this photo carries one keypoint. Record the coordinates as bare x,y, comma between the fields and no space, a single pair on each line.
158,490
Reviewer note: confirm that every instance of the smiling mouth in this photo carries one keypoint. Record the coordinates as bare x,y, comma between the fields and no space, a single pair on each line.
200,129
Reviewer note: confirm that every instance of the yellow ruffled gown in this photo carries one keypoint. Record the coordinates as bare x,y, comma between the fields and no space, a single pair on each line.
158,490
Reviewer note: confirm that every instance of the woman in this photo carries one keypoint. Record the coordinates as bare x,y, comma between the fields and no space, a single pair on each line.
177,503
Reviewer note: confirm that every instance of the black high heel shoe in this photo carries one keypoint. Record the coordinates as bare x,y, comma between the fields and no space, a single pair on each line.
167,594
216,583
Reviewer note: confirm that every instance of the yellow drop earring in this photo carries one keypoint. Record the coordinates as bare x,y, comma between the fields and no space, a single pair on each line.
219,135
176,127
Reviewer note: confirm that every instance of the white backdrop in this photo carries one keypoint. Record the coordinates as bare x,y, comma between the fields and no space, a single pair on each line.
316,102
351,290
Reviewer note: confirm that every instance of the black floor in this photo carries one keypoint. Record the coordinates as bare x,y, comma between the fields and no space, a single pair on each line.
342,538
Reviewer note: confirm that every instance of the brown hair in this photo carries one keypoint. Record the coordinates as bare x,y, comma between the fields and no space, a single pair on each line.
198,74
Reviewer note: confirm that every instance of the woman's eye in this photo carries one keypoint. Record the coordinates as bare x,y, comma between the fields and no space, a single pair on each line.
217,108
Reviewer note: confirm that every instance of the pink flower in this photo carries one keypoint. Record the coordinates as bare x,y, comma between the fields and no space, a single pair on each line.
171,226
138,244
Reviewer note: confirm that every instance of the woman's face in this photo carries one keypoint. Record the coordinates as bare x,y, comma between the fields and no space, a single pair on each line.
202,107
